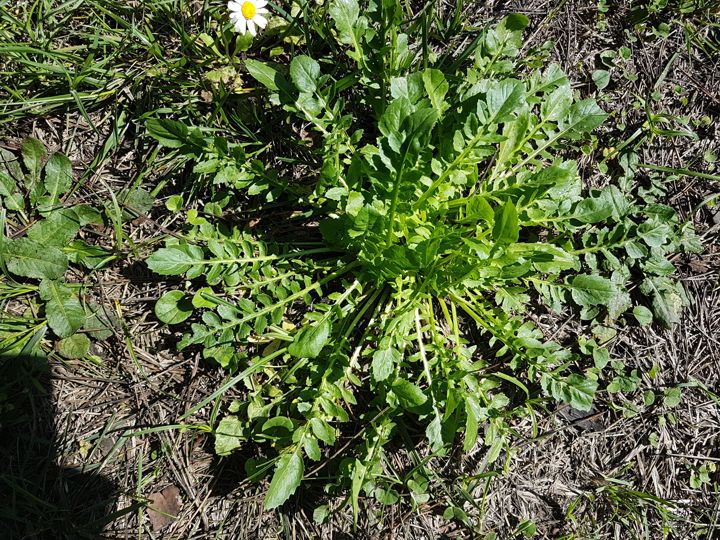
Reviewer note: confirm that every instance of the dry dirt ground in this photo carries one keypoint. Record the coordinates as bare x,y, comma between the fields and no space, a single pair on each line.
96,446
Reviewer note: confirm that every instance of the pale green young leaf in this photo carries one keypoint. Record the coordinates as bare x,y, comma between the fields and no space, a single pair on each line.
642,315
601,78
285,481
173,307
304,72
311,339
228,435
436,87
345,13
75,346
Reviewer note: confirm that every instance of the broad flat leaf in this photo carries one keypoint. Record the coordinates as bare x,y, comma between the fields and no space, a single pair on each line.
24,257
288,475
506,229
33,154
474,415
436,87
409,394
383,363
58,176
304,72
75,346
601,78
323,431
311,339
170,133
228,435
514,132
643,315
667,300
576,390
504,98
175,260
312,448
584,116
592,290
593,210
654,233
64,312
58,229
264,74
91,257
345,13
557,104
173,307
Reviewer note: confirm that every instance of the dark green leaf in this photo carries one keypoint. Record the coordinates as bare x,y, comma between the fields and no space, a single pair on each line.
24,257
288,475
323,431
64,312
173,307
304,72
263,73
170,133
33,154
59,228
311,339
409,394
504,98
584,116
506,229
383,363
175,260
592,290
58,176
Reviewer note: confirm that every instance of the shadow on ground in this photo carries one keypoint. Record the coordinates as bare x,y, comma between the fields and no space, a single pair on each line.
39,499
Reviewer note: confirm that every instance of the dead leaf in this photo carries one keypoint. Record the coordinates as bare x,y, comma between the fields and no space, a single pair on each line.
163,507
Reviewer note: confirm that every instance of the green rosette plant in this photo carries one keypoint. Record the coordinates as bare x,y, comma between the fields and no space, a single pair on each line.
447,209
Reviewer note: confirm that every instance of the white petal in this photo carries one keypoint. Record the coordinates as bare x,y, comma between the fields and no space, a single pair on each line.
260,3
234,6
251,28
240,25
260,21
261,10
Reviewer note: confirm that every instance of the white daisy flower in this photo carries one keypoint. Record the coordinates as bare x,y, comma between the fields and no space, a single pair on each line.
246,15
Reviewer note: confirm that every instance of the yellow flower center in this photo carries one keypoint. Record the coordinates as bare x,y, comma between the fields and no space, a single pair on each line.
248,10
